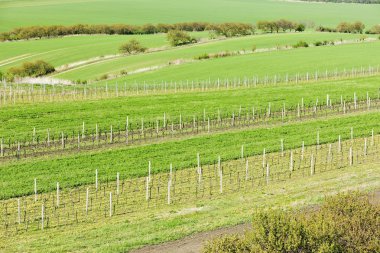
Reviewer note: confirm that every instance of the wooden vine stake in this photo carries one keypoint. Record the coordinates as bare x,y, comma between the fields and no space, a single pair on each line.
126,130
199,168
365,146
351,156
339,144
282,147
264,158
267,176
87,195
291,161
372,138
312,168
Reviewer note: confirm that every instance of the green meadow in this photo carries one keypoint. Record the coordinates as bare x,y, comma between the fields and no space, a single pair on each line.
41,12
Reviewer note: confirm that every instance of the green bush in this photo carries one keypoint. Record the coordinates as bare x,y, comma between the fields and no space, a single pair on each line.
301,44
300,28
179,38
344,223
132,47
318,43
254,48
31,69
202,57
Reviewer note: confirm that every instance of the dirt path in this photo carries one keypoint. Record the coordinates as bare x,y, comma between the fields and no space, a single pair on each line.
194,243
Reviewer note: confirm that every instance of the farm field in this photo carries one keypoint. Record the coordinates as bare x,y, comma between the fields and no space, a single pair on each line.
268,63
22,13
69,117
187,129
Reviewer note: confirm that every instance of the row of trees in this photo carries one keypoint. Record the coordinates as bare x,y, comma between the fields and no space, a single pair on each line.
280,25
344,27
225,29
59,30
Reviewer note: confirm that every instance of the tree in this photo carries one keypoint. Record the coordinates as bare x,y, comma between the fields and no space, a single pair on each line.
344,27
358,27
132,47
300,28
178,38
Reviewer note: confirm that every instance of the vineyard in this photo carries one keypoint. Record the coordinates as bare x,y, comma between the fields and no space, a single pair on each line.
135,127
121,196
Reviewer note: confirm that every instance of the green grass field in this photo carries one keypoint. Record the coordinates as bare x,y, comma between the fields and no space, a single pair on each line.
132,63
41,12
268,63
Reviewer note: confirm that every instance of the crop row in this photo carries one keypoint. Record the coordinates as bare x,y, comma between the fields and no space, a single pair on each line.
20,93
148,132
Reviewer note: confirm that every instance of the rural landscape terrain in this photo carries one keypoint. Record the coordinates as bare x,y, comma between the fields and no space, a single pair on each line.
189,126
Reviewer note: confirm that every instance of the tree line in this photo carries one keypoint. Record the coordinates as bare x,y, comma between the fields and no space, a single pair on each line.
344,27
280,25
122,29
226,29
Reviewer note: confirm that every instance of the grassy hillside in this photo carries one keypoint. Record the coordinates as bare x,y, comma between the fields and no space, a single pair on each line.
41,12
188,53
268,63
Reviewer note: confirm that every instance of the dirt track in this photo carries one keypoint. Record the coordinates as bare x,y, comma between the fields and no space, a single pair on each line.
192,244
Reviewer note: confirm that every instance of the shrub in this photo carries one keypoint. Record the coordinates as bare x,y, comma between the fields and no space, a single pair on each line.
202,57
344,223
300,28
301,44
132,47
318,43
254,48
178,38
374,30
345,27
103,77
32,69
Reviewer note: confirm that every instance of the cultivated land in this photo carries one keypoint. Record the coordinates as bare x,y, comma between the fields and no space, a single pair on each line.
42,12
86,167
